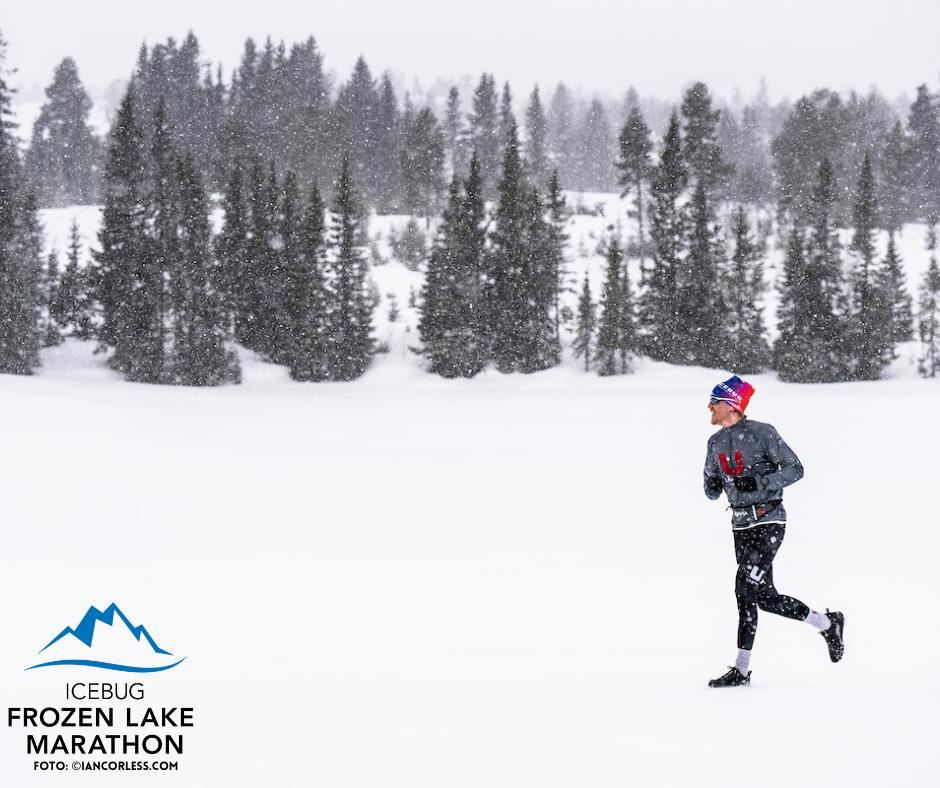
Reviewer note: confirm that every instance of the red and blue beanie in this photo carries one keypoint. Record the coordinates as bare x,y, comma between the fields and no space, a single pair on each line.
736,392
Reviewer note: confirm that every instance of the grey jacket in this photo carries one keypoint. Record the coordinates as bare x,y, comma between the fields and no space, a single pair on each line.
751,448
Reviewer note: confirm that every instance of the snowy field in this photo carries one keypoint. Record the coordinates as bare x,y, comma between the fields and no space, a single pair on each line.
511,581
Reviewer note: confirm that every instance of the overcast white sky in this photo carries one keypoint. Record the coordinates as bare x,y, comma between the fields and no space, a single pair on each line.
599,45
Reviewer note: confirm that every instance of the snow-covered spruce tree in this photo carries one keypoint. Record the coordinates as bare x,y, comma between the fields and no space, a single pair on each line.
422,164
287,252
390,137
594,151
507,119
356,129
746,348
199,355
61,163
871,344
701,320
252,321
119,285
928,321
308,297
72,308
616,337
586,322
351,343
800,354
51,334
231,249
507,288
659,300
562,132
160,273
924,125
483,133
895,179
539,279
825,296
439,324
635,166
20,264
20,250
536,143
557,238
455,143
628,336
892,281
701,151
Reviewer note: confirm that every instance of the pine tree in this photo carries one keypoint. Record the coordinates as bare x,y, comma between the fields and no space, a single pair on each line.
507,118
924,125
595,150
61,162
700,320
439,324
389,138
929,321
231,248
260,296
659,303
158,266
51,333
628,338
871,313
125,249
608,334
824,281
351,343
455,144
557,238
541,350
356,128
802,354
484,133
583,344
20,250
703,156
290,257
892,282
895,179
508,288
562,133
746,348
308,297
536,149
199,355
635,168
71,308
422,164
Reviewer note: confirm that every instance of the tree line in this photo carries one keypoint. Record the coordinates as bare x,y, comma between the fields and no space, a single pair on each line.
287,278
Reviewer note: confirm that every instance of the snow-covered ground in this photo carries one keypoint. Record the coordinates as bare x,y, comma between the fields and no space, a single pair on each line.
509,581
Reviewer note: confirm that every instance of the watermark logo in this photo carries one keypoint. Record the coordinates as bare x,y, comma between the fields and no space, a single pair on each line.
108,640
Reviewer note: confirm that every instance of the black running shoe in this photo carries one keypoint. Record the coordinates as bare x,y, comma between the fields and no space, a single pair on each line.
833,635
733,678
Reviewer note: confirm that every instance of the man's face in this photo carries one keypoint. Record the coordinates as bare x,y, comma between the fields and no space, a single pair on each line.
720,411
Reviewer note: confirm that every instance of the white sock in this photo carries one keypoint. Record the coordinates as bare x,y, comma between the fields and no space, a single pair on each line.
743,661
819,620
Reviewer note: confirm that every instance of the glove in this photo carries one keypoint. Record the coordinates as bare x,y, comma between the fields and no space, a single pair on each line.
713,485
745,484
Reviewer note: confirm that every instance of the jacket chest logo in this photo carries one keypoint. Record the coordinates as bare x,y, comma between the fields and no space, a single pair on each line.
726,468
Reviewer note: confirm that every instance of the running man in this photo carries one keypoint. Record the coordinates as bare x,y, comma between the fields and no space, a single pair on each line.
750,462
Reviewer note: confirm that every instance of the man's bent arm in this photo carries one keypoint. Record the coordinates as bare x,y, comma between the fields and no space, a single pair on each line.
789,467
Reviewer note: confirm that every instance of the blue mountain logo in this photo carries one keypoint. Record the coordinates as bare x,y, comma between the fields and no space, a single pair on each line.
107,639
